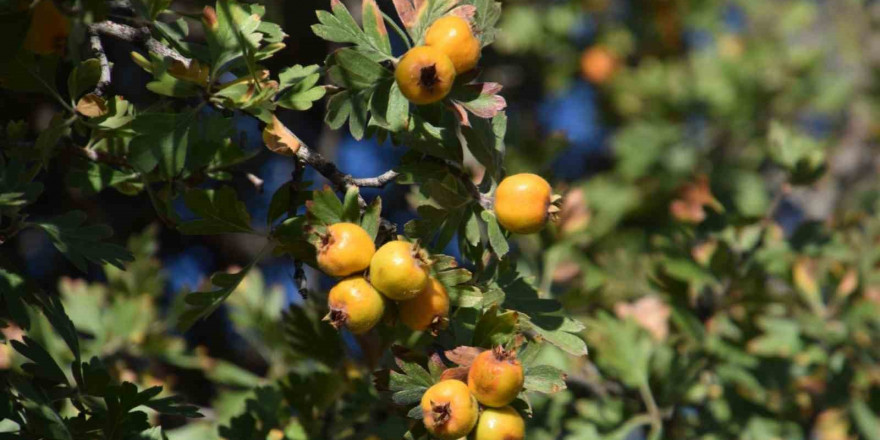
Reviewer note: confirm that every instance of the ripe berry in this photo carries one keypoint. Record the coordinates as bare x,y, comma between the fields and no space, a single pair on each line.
428,310
450,411
344,249
424,75
398,270
452,35
500,424
523,203
496,377
355,304
598,64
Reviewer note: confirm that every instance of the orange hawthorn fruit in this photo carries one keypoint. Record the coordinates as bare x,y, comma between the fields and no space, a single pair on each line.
355,305
428,310
424,75
496,377
598,64
450,411
398,270
500,424
344,249
523,203
452,35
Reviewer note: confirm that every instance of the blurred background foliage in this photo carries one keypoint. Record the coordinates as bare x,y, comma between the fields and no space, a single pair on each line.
719,165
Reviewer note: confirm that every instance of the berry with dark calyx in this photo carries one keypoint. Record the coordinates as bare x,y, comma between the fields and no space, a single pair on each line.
344,249
500,424
496,377
450,411
424,75
524,203
428,310
355,305
452,35
398,270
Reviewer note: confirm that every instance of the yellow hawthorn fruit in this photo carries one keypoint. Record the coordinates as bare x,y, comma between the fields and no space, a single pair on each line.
48,30
428,310
496,377
450,411
500,424
424,75
355,304
344,249
398,270
598,64
452,35
523,203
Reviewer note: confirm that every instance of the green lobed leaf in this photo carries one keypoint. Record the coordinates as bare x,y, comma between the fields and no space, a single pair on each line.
81,243
221,212
325,206
340,27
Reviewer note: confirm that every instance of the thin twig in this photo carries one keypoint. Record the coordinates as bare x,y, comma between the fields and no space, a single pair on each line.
374,182
101,157
98,49
138,36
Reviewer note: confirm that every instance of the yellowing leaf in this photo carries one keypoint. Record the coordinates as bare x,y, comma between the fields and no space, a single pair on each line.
92,106
279,139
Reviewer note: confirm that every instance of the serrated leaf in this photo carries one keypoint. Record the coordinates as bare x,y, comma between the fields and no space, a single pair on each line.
351,211
354,70
297,87
544,379
340,27
374,26
43,366
162,140
496,237
204,303
221,212
496,328
325,207
371,219
81,243
481,99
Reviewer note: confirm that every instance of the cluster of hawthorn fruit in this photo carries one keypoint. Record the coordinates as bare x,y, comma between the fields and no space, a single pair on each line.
399,271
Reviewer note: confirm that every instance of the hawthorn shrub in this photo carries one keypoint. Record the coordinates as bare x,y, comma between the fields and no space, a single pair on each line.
712,240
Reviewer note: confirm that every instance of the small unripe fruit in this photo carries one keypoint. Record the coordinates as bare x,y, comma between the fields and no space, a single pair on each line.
398,270
450,411
344,249
452,35
496,377
424,75
523,203
428,310
500,424
355,304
